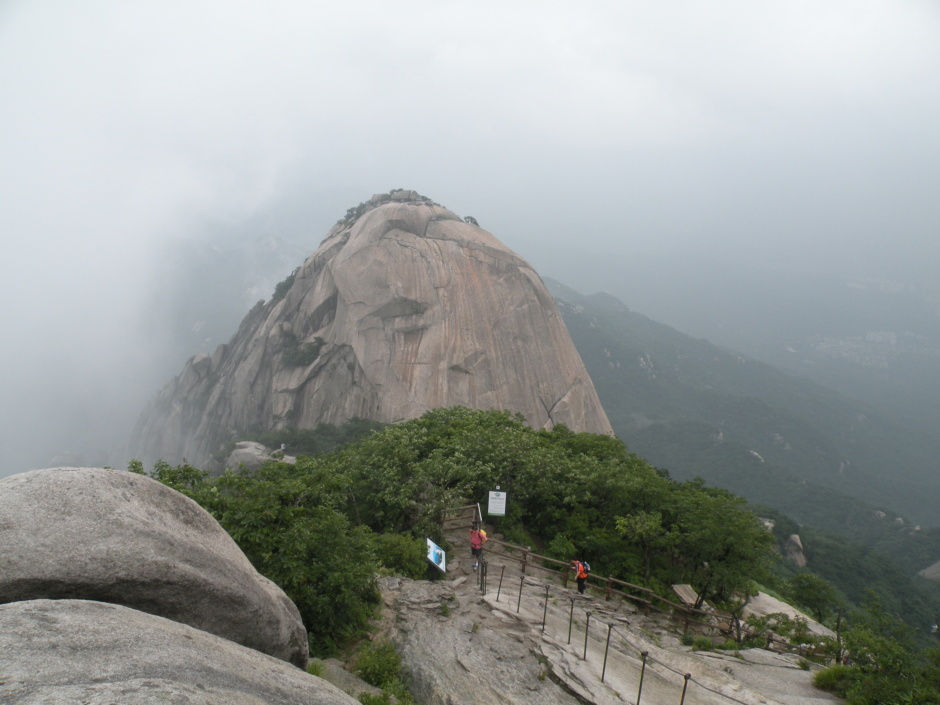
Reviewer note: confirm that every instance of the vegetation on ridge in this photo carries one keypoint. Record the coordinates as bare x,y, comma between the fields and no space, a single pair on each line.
283,286
297,354
354,212
315,528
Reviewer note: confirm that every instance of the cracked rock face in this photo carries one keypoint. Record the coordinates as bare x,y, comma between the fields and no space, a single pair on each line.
403,309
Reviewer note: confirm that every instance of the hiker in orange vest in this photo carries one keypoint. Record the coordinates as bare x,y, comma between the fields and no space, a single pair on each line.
581,571
477,539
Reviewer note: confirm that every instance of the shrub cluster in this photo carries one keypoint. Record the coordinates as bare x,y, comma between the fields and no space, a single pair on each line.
297,354
283,286
379,664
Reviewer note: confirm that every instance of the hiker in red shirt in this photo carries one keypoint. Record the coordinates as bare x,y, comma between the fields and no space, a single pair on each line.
477,539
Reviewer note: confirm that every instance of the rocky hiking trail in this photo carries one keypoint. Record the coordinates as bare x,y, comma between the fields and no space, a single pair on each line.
461,644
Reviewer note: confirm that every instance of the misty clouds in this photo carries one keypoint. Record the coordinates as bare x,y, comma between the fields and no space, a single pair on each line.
751,134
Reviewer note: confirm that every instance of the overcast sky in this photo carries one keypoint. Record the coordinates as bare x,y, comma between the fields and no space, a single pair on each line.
797,133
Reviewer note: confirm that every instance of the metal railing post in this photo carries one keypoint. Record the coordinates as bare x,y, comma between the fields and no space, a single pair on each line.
500,588
545,610
587,628
519,601
684,686
639,692
606,649
570,619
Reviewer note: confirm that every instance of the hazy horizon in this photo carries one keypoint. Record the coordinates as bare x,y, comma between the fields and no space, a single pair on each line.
657,152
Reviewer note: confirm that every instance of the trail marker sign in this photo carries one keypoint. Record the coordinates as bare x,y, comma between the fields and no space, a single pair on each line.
497,504
437,556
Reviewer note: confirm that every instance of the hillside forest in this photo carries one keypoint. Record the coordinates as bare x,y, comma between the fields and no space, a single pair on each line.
348,510
834,470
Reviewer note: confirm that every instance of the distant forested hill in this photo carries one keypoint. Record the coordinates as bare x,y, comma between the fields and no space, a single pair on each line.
698,410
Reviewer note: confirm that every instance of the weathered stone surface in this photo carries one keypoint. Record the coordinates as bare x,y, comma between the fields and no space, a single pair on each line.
459,646
249,455
474,654
484,651
61,652
335,672
931,572
762,604
793,549
113,536
403,308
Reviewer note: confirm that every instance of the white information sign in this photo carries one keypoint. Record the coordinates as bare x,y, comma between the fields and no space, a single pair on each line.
497,504
437,556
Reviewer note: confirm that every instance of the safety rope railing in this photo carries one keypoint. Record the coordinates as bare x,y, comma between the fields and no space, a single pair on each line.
687,677
642,595
529,560
647,661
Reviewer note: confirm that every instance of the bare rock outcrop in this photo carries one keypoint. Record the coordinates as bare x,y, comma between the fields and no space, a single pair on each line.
486,655
403,308
250,455
61,652
793,549
931,572
113,536
762,605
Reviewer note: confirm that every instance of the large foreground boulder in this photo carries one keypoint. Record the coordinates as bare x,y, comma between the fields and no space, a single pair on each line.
113,536
61,652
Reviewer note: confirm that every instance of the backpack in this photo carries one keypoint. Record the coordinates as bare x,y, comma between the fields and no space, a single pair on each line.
587,566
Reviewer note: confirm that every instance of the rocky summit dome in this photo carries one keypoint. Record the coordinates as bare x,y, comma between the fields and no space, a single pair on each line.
403,308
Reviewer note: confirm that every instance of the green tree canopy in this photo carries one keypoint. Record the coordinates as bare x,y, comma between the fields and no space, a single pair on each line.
817,595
